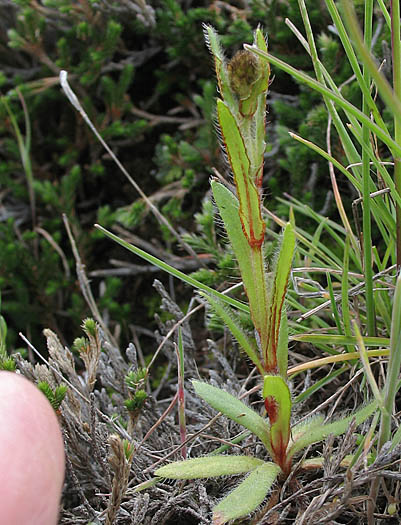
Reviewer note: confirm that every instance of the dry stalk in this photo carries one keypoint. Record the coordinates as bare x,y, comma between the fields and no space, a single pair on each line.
120,459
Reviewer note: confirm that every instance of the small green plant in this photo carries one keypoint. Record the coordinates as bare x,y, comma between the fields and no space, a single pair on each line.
6,362
243,84
55,396
137,396
89,349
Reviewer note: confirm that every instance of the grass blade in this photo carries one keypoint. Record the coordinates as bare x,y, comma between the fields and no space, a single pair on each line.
340,340
179,349
173,271
339,358
338,99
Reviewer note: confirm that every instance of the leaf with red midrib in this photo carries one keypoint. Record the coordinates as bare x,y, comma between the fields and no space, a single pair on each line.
281,272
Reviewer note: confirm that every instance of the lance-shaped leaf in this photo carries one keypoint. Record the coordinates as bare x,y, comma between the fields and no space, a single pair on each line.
260,115
248,193
248,495
340,340
277,295
232,322
278,407
282,347
208,467
305,426
213,42
314,434
235,409
250,261
228,205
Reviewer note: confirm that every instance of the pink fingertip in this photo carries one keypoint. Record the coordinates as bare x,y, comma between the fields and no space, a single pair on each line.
31,454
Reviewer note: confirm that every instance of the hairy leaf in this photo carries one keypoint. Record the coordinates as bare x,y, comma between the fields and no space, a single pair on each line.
319,433
248,495
281,274
208,467
248,193
298,430
213,42
235,409
231,321
250,261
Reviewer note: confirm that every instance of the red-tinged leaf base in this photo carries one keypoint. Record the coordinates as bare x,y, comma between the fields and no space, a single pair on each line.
277,402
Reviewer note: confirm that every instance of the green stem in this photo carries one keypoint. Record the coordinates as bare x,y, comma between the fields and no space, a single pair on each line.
181,393
394,364
396,50
393,369
391,386
367,235
344,293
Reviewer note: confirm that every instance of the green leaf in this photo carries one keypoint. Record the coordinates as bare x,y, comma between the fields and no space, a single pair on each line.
145,485
319,433
208,467
367,368
213,42
228,205
305,426
235,409
232,322
282,270
344,292
282,347
392,384
260,115
396,439
250,261
339,340
248,495
248,193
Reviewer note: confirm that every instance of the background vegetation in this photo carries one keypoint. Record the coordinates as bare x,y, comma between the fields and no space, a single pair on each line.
143,74
145,79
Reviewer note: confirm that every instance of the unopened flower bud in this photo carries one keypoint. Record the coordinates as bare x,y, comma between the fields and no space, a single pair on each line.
243,72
